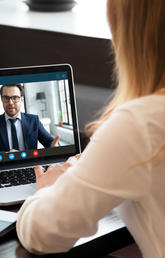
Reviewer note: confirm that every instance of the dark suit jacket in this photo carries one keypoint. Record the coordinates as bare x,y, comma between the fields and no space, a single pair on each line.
33,131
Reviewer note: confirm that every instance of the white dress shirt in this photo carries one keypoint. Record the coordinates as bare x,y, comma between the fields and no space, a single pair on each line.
110,173
19,131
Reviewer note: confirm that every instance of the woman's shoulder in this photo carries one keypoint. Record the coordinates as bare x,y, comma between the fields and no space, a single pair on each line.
146,113
148,105
144,116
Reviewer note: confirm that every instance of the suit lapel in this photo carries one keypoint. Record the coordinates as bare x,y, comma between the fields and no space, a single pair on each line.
3,132
24,121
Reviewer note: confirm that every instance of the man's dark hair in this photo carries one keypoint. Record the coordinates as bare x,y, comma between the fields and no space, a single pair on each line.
19,86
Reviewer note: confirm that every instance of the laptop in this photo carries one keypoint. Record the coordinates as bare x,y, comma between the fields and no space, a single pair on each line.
49,95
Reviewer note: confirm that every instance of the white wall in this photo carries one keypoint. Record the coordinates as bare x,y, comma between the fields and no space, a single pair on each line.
35,106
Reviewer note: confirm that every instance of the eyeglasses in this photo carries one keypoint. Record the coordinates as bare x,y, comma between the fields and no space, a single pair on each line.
14,99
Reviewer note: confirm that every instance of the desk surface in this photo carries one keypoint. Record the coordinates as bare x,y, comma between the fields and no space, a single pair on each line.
111,236
80,37
87,18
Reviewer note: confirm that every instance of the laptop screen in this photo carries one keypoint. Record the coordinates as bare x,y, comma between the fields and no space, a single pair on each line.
45,110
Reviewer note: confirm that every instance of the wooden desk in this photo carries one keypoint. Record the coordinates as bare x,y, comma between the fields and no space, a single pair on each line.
76,37
88,18
91,58
112,235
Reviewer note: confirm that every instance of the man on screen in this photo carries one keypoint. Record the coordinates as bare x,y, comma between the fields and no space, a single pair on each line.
20,131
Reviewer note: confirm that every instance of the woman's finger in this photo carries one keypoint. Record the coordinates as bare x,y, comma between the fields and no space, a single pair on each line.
78,155
71,161
38,171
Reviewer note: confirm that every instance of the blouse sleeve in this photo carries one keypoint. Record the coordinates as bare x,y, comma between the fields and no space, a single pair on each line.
109,171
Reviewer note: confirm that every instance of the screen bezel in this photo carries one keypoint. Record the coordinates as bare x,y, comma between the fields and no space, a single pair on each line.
53,154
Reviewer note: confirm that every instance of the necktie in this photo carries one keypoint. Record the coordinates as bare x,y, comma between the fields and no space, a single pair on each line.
14,134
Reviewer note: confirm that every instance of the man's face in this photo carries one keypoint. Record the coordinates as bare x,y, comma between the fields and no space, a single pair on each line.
12,108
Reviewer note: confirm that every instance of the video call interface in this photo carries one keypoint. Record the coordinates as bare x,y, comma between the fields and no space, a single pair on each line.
46,116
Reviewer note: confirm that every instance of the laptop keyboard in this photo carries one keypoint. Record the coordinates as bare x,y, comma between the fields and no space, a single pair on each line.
15,177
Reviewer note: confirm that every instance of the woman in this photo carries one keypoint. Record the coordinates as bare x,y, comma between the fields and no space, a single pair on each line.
123,165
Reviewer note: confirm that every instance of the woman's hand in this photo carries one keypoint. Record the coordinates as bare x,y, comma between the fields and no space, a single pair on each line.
48,177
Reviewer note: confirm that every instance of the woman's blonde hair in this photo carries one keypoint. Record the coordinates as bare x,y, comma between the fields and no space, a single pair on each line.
138,38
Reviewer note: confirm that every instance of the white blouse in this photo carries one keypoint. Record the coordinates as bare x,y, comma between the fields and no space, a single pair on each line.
111,172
